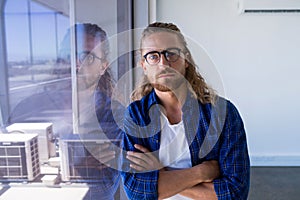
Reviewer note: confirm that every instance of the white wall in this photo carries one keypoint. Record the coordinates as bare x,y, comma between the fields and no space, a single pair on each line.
258,58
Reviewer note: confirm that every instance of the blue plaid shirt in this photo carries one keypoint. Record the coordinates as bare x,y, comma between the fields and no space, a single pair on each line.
217,134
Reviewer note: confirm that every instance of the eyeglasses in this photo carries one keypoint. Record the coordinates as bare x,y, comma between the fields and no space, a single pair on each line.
171,55
87,58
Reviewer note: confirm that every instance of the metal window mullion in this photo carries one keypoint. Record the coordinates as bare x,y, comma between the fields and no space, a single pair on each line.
75,112
4,86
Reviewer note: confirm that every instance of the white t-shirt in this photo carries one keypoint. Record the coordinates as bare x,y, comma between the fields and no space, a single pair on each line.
174,149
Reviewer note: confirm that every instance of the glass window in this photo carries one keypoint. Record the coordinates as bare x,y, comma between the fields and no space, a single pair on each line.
45,76
33,33
38,82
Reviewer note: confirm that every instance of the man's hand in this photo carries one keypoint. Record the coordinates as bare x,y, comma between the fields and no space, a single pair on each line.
100,156
145,161
194,182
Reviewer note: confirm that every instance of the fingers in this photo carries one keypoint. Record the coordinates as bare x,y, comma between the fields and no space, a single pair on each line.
137,167
138,158
102,153
141,148
104,146
144,161
105,158
95,165
145,150
137,163
105,154
142,158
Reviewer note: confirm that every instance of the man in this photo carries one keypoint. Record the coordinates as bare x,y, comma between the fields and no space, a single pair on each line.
182,140
93,162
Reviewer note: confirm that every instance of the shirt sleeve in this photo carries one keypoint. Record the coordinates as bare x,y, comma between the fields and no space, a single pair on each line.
136,185
233,159
109,122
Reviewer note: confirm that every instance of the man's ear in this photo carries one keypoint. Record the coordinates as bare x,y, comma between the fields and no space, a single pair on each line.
186,62
142,63
103,67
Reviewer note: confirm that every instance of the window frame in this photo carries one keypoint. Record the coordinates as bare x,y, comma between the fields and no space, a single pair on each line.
135,14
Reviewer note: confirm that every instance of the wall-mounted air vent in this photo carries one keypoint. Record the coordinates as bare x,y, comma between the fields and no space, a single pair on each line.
269,6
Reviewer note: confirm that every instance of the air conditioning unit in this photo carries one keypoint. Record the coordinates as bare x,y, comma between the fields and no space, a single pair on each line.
45,137
78,162
19,160
268,6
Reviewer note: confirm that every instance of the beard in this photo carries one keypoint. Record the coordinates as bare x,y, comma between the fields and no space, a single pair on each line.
165,88
85,82
168,84
160,87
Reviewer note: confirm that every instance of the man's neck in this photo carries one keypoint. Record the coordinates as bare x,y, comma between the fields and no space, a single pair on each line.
172,102
88,91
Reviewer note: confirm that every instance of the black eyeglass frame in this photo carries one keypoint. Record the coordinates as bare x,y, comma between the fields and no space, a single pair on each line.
83,59
165,53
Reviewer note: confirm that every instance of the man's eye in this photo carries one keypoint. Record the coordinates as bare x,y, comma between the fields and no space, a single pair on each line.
171,54
153,57
89,57
82,56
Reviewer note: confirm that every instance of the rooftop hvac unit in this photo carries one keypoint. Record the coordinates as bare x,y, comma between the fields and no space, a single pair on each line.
78,157
19,160
45,137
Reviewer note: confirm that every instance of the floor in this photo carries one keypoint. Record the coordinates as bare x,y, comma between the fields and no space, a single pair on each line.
275,183
267,183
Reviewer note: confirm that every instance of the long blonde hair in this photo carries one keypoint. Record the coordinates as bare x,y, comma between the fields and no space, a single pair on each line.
106,81
200,89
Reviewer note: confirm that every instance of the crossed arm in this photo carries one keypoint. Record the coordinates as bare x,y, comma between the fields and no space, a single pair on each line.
233,165
194,182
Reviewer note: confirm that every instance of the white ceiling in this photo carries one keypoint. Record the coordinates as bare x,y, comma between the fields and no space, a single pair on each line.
101,12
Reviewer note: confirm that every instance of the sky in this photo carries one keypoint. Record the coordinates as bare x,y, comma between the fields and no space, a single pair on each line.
47,31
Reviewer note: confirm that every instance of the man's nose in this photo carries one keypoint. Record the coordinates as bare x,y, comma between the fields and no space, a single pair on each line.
163,61
78,65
